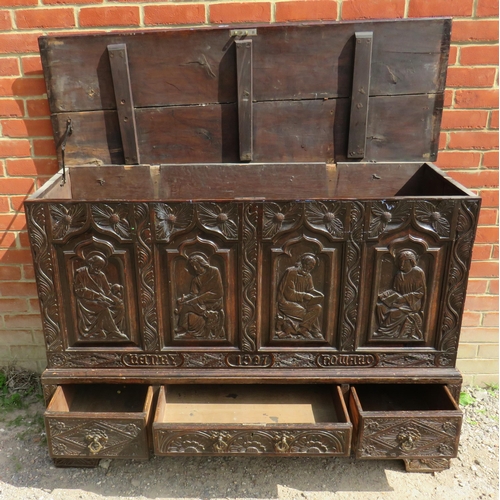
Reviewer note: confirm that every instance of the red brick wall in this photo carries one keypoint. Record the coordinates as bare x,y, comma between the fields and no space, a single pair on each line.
469,141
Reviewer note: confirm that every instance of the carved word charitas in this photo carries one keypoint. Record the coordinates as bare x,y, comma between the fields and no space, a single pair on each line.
250,360
328,360
170,359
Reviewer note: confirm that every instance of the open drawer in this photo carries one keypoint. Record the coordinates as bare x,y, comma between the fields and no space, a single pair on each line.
251,419
404,421
99,421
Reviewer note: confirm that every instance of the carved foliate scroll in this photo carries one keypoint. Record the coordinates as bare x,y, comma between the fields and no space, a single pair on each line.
249,279
144,253
252,441
352,276
461,255
44,272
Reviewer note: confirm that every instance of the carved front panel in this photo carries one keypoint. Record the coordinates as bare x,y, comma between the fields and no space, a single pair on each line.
329,442
97,438
408,244
410,437
198,272
101,297
301,272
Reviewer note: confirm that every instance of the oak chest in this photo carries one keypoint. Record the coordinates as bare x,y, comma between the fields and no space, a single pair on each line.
247,249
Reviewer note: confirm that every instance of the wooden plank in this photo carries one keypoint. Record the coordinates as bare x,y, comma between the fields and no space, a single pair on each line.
118,60
245,98
400,128
360,97
290,62
276,181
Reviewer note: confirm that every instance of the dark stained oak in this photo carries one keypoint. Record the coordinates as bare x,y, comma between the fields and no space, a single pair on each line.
215,277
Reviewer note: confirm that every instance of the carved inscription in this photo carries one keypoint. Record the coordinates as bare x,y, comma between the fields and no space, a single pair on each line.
170,359
99,303
400,308
200,313
299,304
328,360
293,442
250,360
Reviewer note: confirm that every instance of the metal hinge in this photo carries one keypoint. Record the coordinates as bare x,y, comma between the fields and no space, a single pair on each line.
248,32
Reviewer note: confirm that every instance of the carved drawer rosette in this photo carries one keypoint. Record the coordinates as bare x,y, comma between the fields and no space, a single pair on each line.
89,423
236,420
411,422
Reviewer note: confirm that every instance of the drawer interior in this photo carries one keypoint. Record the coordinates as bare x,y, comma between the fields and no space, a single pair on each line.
101,398
404,397
250,404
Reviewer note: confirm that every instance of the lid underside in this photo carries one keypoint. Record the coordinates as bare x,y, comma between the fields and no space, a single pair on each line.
358,91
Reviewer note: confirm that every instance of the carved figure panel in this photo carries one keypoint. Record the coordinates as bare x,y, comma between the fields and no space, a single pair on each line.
303,304
403,288
103,310
201,292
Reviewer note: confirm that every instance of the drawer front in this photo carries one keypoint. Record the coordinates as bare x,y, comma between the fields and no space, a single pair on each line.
408,437
292,442
92,438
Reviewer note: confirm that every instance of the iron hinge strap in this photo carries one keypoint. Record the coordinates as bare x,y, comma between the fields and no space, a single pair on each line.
67,133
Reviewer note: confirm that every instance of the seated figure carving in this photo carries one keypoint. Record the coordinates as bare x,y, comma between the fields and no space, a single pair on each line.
200,313
299,304
400,309
99,304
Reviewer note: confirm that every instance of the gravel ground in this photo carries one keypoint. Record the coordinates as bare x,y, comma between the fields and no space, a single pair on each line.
27,473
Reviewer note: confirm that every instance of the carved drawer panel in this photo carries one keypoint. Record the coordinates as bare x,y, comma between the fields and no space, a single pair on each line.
264,420
405,421
99,421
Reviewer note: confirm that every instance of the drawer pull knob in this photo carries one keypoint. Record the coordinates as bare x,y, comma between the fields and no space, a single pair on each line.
96,442
407,438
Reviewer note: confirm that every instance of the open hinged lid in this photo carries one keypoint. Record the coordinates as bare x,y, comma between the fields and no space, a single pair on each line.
369,91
